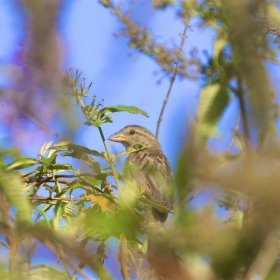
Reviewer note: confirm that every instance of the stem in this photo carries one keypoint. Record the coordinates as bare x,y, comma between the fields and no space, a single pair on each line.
172,80
245,124
110,161
195,194
234,131
57,198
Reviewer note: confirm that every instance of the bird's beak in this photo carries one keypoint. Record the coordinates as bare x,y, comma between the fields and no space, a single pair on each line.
117,137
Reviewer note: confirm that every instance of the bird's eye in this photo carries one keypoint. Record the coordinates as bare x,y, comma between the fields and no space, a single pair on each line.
132,132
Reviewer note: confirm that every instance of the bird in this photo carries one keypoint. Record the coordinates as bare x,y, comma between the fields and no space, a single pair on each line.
148,167
151,171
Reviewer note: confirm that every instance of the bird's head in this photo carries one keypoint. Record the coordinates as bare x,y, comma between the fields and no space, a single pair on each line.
135,134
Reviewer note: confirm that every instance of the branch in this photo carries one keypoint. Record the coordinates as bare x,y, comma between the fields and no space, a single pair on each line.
195,194
57,198
173,77
68,261
265,259
245,123
56,178
111,162
234,131
247,141
44,127
40,181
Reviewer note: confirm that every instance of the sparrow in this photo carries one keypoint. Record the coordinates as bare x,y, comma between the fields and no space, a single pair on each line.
148,167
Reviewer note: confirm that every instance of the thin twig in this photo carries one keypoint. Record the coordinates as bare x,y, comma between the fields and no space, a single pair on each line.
234,132
244,117
67,260
111,162
195,194
247,141
44,127
57,178
57,198
173,77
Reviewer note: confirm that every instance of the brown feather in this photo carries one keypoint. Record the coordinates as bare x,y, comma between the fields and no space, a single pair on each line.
149,168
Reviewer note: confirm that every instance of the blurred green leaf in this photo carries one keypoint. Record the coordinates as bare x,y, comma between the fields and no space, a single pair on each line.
2,163
213,100
123,258
12,186
46,272
48,160
219,45
22,163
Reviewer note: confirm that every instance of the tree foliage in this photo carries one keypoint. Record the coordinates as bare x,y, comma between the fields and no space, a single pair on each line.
79,215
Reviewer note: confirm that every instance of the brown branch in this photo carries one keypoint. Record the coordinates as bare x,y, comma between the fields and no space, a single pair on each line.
265,259
61,254
40,181
57,198
195,194
53,179
44,127
173,77
234,131
245,122
247,140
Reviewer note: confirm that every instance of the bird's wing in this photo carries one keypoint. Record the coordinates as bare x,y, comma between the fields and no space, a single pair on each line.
152,172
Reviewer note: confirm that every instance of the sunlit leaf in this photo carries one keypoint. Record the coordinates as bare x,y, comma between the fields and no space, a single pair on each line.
212,103
219,45
122,108
22,163
47,272
105,204
44,148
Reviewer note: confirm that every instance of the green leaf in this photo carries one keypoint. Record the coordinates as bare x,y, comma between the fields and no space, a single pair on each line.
124,258
107,119
48,160
45,147
122,108
60,167
22,163
219,45
91,181
12,186
93,164
212,103
2,163
42,271
67,146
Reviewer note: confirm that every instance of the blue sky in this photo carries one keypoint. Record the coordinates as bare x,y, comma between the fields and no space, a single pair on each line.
121,75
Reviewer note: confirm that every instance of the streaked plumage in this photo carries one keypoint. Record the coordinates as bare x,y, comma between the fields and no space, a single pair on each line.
149,168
